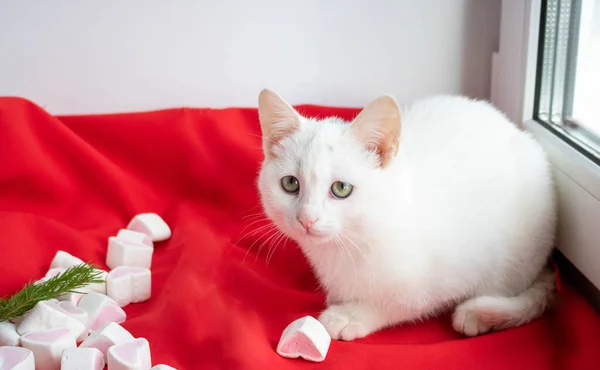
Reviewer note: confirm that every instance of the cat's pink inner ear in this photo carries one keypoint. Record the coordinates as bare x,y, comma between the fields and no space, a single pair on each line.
378,126
278,120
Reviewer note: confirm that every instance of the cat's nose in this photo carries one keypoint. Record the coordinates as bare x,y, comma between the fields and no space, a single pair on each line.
307,222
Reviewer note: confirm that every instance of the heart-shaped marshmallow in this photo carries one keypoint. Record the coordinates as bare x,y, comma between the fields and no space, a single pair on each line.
101,310
8,334
50,274
306,338
162,367
54,272
71,297
48,315
98,287
131,355
152,225
135,237
79,314
107,336
64,260
125,253
129,284
16,358
48,346
82,359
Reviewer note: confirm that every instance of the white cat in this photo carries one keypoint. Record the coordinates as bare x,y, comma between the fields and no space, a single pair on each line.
404,215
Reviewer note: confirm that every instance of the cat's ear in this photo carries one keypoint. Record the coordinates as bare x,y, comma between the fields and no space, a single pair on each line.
278,119
377,127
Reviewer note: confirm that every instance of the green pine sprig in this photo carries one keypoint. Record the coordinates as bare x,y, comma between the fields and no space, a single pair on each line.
69,281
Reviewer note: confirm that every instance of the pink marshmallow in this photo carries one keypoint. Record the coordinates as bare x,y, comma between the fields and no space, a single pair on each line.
8,334
48,315
16,358
48,346
152,225
101,310
134,237
64,260
82,359
106,337
131,355
306,338
125,253
129,284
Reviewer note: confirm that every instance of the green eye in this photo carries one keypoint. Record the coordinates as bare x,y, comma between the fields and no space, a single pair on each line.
290,184
341,189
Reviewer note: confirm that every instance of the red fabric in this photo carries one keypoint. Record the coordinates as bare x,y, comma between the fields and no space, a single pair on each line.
71,182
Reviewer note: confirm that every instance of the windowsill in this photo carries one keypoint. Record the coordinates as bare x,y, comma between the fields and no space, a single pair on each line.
577,179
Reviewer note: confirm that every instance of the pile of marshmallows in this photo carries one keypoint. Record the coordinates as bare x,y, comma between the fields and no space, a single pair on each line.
46,338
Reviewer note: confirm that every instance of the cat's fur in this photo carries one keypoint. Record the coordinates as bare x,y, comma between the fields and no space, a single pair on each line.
452,206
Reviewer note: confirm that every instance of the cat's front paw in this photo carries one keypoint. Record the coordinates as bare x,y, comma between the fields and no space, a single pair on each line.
341,325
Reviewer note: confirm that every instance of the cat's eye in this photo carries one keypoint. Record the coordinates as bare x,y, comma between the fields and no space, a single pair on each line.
290,184
341,189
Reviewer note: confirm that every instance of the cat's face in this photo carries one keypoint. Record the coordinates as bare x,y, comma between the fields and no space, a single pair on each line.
314,182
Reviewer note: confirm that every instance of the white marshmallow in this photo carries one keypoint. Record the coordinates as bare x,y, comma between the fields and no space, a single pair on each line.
129,284
17,320
124,253
48,315
152,225
16,358
8,334
54,272
101,310
77,313
163,367
64,260
135,237
306,338
107,336
98,287
48,346
131,355
71,297
50,274
82,359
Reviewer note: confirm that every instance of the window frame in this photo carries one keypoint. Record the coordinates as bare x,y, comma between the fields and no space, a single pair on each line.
576,174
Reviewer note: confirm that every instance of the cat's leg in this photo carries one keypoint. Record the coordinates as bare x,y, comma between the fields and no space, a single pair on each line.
482,314
353,320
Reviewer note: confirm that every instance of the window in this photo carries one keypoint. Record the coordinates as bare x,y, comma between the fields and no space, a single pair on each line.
546,77
568,73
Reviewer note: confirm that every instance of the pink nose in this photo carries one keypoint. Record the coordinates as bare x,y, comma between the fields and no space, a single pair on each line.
306,222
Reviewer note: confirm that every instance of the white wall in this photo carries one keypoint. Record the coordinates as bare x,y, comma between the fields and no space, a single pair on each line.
110,56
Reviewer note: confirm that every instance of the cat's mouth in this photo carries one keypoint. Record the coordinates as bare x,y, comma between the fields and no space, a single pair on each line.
315,235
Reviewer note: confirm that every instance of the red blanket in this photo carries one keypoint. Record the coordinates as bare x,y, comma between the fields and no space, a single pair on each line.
222,291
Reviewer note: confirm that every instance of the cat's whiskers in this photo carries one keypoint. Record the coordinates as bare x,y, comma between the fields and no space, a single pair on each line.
254,231
270,229
340,242
277,232
278,240
360,252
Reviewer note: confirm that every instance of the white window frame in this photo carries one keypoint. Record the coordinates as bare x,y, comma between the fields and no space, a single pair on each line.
577,178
